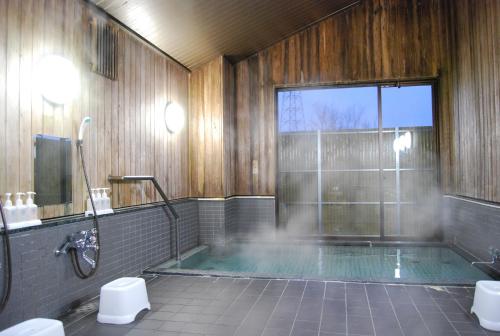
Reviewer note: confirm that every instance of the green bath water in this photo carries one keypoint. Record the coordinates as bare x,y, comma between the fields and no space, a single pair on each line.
408,264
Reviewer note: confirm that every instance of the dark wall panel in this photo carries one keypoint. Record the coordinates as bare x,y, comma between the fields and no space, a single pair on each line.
472,226
476,98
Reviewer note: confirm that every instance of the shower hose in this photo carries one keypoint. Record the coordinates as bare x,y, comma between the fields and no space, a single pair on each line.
73,252
8,263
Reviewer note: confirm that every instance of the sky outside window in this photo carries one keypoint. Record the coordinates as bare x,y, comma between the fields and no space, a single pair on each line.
407,106
330,109
327,109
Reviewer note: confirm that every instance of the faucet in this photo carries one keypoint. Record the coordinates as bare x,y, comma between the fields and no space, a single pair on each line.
495,255
83,242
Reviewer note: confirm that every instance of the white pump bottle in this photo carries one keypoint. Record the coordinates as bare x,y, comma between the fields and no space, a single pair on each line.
10,210
21,215
98,200
106,201
89,202
31,208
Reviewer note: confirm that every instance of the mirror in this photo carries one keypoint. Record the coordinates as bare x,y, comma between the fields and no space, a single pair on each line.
52,170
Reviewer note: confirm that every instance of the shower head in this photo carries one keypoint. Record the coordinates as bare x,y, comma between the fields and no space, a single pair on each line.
83,124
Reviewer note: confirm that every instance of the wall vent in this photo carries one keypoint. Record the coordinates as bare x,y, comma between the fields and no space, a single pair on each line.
103,47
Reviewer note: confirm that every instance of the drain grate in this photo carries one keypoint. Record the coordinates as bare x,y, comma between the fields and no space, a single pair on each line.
80,312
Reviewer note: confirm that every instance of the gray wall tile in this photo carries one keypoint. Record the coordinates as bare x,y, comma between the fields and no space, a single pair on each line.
253,216
222,220
471,226
212,221
44,285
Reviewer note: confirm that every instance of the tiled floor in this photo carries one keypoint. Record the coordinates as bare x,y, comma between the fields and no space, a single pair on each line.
225,306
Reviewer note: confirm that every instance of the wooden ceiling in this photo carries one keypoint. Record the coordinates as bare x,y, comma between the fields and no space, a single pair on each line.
196,31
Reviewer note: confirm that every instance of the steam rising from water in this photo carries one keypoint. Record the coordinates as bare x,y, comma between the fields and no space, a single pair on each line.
357,154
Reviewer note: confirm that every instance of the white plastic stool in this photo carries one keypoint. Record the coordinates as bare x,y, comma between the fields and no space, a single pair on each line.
486,304
121,300
36,327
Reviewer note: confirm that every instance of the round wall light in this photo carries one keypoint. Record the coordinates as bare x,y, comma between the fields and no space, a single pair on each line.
174,117
57,79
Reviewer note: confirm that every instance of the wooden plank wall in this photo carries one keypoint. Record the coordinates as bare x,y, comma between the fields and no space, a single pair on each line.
476,98
127,134
205,133
211,134
228,91
376,40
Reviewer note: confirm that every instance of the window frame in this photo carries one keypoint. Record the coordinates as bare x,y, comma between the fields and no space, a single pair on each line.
379,84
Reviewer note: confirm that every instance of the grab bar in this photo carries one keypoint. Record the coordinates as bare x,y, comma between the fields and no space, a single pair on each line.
494,254
129,178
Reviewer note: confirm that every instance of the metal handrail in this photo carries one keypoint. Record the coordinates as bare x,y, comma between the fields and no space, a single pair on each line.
112,178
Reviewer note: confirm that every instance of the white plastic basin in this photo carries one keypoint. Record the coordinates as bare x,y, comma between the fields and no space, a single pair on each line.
486,304
36,327
121,300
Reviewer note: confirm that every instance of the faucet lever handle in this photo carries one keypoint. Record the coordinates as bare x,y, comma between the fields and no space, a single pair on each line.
496,254
88,259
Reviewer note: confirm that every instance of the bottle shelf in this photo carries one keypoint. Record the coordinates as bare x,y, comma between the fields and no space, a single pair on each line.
99,212
20,225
